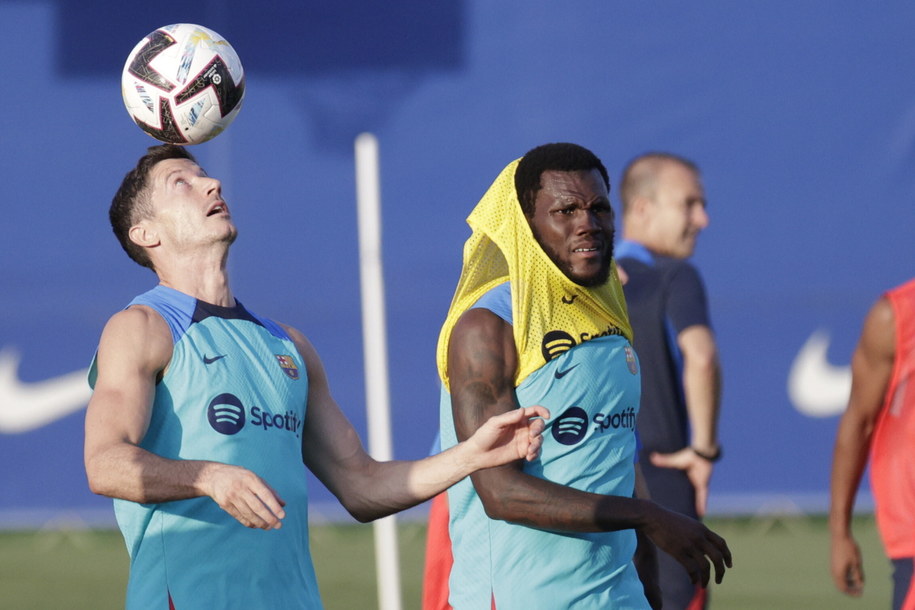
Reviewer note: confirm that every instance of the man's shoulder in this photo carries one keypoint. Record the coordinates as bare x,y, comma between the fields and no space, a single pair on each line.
137,335
497,300
137,319
636,258
905,289
679,273
663,271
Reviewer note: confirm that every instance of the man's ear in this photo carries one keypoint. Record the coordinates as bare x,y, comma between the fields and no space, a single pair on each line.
144,235
638,207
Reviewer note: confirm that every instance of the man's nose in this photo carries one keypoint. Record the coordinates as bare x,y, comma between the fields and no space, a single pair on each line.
700,216
589,221
212,185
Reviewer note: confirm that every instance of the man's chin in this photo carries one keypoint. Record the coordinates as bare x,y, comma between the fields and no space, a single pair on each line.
592,280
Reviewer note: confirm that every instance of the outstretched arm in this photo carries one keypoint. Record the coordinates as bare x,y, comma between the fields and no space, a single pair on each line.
134,350
482,361
370,489
872,366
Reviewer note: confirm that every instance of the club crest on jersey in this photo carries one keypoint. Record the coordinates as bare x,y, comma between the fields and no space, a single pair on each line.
630,360
288,365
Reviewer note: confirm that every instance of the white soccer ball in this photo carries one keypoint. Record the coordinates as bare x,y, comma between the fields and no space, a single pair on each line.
183,84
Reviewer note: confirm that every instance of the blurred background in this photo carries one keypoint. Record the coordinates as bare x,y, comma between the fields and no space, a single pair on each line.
800,114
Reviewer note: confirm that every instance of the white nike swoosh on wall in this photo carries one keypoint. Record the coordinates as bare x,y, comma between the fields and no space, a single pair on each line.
27,406
817,388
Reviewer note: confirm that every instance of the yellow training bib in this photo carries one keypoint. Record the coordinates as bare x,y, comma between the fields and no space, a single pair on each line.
551,313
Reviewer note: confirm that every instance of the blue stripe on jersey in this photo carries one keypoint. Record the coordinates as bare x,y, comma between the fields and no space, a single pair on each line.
181,310
497,300
175,307
632,249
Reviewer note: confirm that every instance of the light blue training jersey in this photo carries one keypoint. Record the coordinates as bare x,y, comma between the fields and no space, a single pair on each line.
592,392
235,392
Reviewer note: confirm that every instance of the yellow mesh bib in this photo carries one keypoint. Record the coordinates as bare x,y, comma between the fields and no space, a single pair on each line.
551,313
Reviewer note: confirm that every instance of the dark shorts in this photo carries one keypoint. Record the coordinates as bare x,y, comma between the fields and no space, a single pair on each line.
903,597
671,489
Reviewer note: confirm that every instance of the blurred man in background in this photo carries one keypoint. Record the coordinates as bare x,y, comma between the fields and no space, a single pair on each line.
880,422
663,206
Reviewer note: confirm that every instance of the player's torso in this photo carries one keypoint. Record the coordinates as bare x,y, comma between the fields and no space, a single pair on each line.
892,470
663,417
592,392
235,392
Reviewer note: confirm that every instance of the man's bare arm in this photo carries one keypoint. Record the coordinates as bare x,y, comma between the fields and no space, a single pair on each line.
482,361
370,489
872,366
134,350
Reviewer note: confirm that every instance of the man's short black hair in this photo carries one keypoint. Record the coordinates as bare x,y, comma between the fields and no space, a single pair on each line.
560,156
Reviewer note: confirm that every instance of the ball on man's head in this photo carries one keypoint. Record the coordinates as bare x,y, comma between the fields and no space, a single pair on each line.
183,84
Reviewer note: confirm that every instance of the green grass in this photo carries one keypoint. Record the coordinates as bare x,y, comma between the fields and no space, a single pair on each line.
778,563
784,563
75,569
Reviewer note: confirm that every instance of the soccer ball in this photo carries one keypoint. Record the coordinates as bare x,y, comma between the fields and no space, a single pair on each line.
183,84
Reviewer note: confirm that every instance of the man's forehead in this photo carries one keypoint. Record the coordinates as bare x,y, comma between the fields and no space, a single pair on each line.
573,180
678,172
167,166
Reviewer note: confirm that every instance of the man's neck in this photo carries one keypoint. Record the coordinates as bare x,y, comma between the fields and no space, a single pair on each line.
206,280
640,239
634,238
214,293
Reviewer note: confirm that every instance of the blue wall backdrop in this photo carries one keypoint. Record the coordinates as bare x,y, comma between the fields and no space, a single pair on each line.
801,115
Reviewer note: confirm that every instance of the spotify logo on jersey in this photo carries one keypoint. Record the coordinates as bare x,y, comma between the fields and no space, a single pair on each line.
570,427
555,343
226,414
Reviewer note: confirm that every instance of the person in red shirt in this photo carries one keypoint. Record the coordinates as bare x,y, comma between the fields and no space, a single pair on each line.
880,423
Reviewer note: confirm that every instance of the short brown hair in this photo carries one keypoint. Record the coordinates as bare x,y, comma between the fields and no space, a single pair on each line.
641,174
131,202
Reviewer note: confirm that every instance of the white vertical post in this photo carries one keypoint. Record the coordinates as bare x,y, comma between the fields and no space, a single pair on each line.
375,350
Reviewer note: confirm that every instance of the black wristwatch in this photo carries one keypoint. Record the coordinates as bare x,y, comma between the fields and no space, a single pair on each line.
711,457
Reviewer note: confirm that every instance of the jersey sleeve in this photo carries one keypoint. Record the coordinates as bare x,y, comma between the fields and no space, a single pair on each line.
687,303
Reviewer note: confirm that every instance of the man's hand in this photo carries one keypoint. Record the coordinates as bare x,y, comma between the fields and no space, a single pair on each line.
872,367
690,543
245,496
698,471
511,436
846,567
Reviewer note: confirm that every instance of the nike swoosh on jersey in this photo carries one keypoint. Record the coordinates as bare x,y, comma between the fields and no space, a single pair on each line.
817,388
560,374
207,360
27,406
